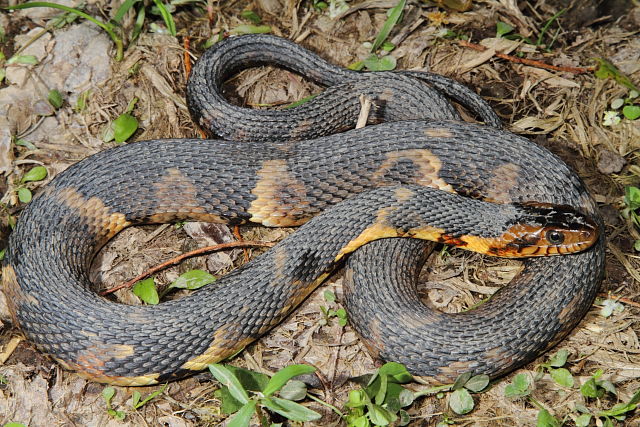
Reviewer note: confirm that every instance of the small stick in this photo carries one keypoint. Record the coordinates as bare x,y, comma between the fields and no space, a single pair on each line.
180,258
365,108
531,62
621,299
187,57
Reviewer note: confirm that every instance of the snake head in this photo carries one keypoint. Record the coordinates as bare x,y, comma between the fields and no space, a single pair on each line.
544,229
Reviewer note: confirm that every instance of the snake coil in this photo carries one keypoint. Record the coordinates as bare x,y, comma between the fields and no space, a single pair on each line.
437,178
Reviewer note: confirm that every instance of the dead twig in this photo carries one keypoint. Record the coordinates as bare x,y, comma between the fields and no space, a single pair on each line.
530,62
623,300
182,257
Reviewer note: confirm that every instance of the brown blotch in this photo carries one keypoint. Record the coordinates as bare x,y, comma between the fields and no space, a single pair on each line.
281,199
438,133
448,374
91,363
300,130
453,241
16,297
428,165
104,223
373,342
567,316
175,196
93,373
224,344
504,179
386,95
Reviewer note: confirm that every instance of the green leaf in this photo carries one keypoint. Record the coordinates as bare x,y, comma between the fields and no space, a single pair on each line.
545,419
329,296
461,401
37,173
519,387
405,419
357,399
135,398
607,70
562,376
503,29
293,390
380,416
361,421
24,143
375,63
250,29
388,46
24,195
243,417
617,103
166,17
250,380
609,306
23,59
477,383
137,26
124,126
224,376
107,394
193,279
382,390
632,197
2,253
118,415
13,425
591,389
559,359
608,386
583,420
631,112
251,16
461,380
617,410
397,371
636,245
394,16
146,291
521,381
123,9
291,410
635,399
229,404
137,403
283,375
55,98
405,398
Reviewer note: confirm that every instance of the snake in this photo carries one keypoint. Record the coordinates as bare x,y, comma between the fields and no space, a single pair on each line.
417,172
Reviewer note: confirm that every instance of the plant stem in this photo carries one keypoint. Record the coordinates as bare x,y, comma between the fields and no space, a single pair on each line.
108,28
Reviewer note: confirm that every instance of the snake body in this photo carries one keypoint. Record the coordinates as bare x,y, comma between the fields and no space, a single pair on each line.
407,178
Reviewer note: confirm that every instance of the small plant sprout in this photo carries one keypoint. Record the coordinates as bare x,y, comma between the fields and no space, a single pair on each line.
329,313
245,393
35,174
382,61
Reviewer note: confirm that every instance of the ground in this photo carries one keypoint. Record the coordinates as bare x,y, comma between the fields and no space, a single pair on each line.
561,110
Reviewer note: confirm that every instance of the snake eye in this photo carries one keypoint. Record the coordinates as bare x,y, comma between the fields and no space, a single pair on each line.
555,237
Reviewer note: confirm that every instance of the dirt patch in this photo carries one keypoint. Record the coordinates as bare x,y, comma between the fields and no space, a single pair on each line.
559,110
